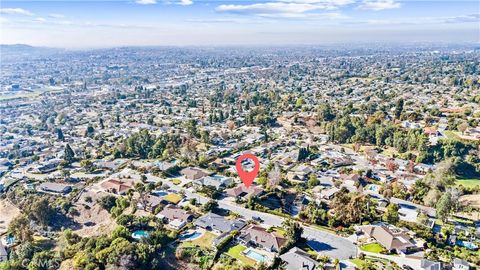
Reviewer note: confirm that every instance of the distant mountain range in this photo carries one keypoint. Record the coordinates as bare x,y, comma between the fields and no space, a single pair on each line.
16,50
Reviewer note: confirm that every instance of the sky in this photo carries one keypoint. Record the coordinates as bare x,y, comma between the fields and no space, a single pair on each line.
95,24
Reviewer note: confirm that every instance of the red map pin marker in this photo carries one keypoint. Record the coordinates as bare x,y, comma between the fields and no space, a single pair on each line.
247,177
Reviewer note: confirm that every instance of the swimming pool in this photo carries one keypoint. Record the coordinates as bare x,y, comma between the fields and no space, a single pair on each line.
255,255
140,234
190,236
160,193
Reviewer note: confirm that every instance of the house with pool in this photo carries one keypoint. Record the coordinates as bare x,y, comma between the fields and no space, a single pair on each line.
258,236
175,216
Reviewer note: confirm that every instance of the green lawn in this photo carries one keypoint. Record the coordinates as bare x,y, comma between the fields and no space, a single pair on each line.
206,241
358,262
236,252
176,181
279,231
374,248
469,183
173,198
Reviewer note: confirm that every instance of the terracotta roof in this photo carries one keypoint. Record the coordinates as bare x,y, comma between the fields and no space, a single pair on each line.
117,186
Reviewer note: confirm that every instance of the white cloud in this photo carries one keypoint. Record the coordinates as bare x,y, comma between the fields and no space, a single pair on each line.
56,16
16,11
377,5
271,7
285,8
146,2
464,19
40,19
185,2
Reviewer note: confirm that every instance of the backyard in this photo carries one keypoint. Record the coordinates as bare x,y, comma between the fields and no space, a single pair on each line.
205,241
236,252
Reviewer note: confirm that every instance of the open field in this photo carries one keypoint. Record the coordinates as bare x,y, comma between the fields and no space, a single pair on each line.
8,212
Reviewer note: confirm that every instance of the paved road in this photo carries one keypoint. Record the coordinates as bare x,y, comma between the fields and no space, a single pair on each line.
323,242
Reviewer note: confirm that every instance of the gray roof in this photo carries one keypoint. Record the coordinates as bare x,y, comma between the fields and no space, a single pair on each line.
298,259
219,223
430,265
457,261
55,187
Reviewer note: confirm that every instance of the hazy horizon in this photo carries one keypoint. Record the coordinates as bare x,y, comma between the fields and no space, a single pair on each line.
106,24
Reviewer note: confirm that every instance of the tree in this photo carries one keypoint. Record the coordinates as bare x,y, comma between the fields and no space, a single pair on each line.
210,206
399,108
313,181
20,228
42,211
87,165
69,155
294,230
60,134
324,112
391,214
107,202
444,206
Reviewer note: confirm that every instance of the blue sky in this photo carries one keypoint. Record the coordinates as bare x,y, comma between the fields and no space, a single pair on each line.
87,24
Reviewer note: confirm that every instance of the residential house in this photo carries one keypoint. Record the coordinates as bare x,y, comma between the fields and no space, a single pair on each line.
219,224
243,191
217,181
298,259
176,217
430,265
459,264
193,173
149,203
117,186
299,173
55,188
390,237
258,236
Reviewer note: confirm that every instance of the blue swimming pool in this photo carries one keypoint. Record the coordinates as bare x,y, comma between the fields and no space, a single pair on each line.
160,193
190,236
255,255
140,234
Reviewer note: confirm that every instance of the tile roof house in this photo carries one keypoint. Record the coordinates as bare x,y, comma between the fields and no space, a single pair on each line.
298,259
254,234
3,253
218,223
117,186
243,191
389,237
193,173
